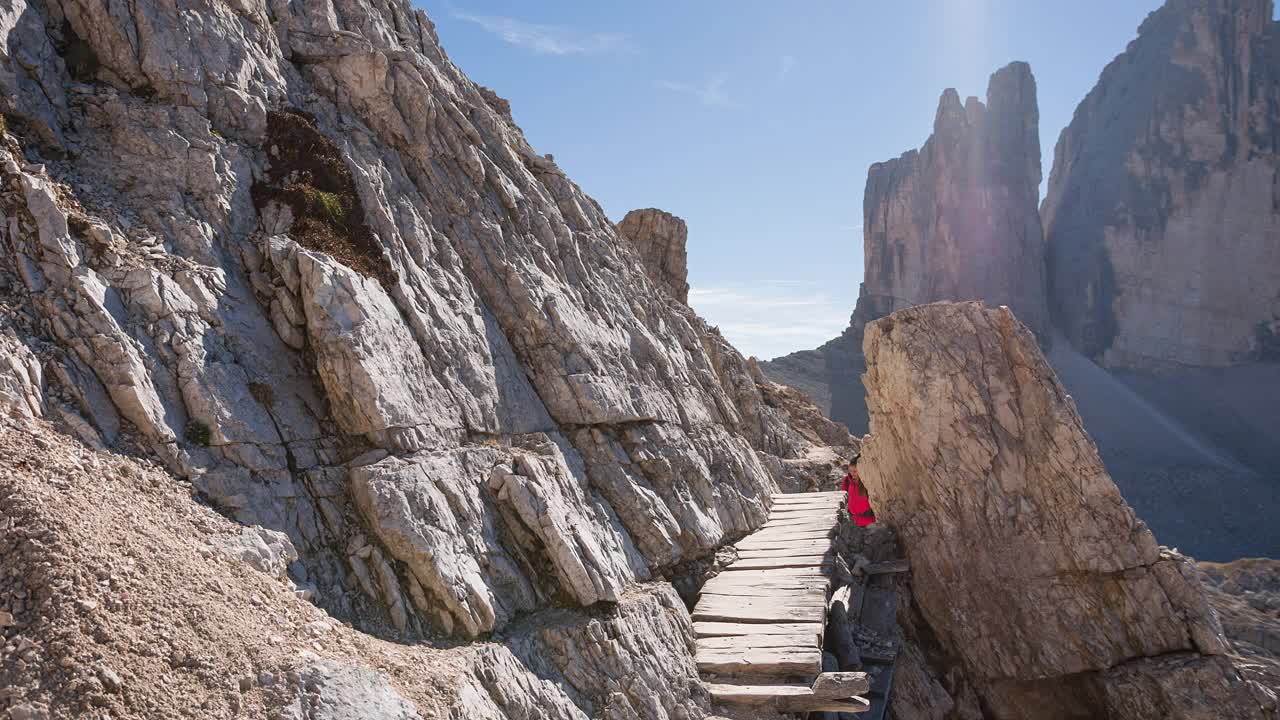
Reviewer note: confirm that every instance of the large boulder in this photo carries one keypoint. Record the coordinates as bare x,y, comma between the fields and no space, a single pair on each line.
1028,566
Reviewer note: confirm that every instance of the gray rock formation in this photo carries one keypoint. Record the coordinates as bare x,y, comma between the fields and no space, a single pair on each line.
297,254
1156,219
1161,219
957,219
661,240
1027,565
954,220
329,690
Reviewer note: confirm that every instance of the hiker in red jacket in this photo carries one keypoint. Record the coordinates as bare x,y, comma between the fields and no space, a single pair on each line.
859,503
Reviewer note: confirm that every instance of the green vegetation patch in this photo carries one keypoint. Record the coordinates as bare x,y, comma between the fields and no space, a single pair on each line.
309,175
196,433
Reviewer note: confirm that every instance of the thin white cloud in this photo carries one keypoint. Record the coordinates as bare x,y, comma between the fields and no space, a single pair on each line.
711,92
549,39
786,64
774,317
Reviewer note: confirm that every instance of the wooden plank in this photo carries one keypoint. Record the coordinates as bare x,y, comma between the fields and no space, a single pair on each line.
774,528
730,642
806,576
764,613
750,544
783,535
803,495
754,695
764,662
824,516
710,602
726,629
744,582
840,685
818,555
753,540
811,574
793,698
730,604
852,705
798,522
814,572
803,511
812,588
829,496
774,563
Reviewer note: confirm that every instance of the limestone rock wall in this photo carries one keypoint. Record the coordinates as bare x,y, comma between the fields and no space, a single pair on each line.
1161,218
1027,565
297,253
661,239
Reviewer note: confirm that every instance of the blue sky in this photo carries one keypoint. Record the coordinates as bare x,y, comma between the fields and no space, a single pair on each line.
756,121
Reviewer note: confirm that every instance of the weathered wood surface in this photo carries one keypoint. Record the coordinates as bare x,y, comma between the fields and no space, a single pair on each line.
759,624
840,685
831,692
761,663
723,629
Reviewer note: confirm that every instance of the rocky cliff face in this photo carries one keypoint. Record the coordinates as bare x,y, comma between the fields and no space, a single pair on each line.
1162,256
1028,568
661,239
1161,214
293,251
957,219
954,220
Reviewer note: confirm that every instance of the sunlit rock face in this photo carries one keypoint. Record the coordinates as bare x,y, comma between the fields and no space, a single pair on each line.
957,219
1161,213
323,276
1028,568
661,240
954,220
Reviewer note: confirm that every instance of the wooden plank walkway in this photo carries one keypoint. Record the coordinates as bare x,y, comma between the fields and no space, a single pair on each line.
759,624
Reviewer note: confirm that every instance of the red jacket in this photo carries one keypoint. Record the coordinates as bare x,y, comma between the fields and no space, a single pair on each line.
859,503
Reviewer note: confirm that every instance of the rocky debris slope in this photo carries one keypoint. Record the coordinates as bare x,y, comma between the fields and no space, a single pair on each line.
322,276
661,239
118,599
1163,230
1029,571
1246,595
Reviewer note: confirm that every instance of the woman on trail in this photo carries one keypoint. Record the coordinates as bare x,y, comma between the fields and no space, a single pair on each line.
859,503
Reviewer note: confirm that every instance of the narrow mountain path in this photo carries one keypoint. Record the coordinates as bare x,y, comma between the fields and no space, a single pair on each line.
760,624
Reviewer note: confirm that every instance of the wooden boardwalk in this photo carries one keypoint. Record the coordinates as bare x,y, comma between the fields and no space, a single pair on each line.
760,623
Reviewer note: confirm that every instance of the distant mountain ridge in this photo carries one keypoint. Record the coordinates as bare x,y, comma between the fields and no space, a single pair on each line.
1158,265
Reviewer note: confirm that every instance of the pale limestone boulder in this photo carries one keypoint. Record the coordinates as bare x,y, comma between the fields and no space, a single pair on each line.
264,550
1027,564
333,690
476,525
21,380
